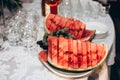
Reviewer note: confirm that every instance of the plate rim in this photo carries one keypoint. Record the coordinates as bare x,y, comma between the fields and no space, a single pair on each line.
81,70
60,74
95,22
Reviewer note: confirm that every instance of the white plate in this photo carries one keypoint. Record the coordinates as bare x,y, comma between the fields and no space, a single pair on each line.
101,29
65,74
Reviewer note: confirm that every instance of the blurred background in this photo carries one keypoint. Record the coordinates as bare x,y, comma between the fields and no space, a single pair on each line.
114,12
113,8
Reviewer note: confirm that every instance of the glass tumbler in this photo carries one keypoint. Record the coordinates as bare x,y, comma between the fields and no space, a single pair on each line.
13,27
87,9
77,10
33,14
14,34
95,9
1,39
65,8
29,35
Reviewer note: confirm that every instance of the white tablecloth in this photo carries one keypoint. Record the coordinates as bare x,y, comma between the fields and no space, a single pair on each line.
18,64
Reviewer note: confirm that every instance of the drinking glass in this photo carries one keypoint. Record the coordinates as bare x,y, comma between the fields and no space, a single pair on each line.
32,14
2,41
53,6
95,9
86,10
102,10
65,8
13,27
14,34
91,10
77,10
29,35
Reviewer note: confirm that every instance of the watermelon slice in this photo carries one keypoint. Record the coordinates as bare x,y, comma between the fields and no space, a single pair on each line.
84,62
43,55
77,24
76,27
54,50
70,53
50,48
99,52
57,19
84,55
65,53
60,51
75,55
79,50
93,54
89,60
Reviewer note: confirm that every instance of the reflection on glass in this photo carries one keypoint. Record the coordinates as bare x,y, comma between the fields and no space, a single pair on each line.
14,34
1,38
29,34
65,8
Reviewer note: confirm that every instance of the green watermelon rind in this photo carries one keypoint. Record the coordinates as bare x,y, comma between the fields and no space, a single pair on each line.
90,37
79,69
45,27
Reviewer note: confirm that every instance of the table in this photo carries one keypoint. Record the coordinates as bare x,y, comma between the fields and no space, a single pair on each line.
18,64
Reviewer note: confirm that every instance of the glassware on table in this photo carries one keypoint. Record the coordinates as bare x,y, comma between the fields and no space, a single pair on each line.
32,14
104,9
29,35
65,8
90,10
95,9
49,6
1,39
86,10
12,30
14,34
77,9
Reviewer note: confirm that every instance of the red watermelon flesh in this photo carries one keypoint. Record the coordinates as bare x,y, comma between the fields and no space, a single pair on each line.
70,53
84,48
77,24
89,60
49,20
64,22
74,54
84,55
79,50
76,27
56,22
60,50
99,52
65,53
93,53
84,62
82,29
54,50
68,24
43,55
49,47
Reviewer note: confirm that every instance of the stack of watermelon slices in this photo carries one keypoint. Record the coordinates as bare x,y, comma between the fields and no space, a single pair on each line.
76,27
74,54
